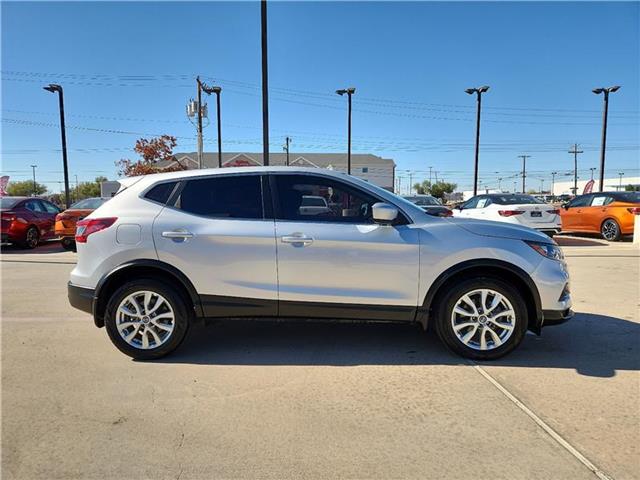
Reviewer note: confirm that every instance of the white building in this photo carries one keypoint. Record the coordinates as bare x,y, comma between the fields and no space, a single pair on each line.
371,168
610,185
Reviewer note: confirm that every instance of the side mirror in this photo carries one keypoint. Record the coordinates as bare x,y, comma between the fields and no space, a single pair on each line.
384,213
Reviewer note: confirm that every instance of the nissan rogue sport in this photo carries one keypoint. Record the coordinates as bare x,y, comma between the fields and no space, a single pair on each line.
173,248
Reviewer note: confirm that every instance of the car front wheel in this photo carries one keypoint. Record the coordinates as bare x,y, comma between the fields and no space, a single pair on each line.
146,319
482,318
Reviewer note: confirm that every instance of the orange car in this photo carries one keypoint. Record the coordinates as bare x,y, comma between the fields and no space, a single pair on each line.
66,221
609,213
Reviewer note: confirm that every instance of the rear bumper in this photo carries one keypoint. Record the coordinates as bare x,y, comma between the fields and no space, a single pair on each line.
556,317
80,297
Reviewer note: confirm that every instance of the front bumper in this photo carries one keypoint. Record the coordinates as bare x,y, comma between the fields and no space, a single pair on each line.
80,297
556,317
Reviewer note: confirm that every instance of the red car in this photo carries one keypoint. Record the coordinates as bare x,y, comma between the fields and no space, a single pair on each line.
27,220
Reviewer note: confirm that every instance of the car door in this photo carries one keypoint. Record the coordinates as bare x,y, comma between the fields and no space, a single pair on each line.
217,232
340,263
572,215
37,216
595,212
49,217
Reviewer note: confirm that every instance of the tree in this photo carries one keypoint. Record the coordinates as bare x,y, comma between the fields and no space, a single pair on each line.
632,188
25,189
423,188
439,189
151,152
89,189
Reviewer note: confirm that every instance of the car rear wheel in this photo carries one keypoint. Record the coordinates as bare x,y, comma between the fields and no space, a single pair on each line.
146,319
610,230
31,238
68,244
482,318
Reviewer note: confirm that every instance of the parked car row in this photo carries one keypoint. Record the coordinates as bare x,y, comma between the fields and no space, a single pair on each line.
27,221
611,214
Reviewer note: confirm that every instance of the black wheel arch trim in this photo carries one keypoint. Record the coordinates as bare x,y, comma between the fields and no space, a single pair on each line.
424,312
148,263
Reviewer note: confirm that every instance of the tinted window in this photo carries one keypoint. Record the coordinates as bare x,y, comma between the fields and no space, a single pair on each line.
344,204
483,202
424,201
88,204
515,199
630,197
223,197
160,193
471,203
581,201
34,206
50,207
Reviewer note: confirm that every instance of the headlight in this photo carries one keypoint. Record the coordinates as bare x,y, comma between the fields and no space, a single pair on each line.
547,250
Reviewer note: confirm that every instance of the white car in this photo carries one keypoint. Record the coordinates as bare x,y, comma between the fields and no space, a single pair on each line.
313,205
172,248
516,208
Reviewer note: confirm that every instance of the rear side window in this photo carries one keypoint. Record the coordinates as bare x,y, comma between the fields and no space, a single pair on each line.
160,193
581,201
223,197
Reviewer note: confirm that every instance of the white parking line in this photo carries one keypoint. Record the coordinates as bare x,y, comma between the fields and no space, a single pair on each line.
541,423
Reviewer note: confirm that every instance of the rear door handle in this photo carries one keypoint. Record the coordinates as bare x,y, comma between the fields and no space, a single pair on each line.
179,234
297,238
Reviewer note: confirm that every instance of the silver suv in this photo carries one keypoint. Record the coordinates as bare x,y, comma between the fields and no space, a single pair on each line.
173,248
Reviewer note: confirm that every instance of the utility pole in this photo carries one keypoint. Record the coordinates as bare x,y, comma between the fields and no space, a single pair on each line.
541,185
435,172
430,175
217,91
605,112
349,91
478,91
575,152
265,85
77,188
35,191
524,170
553,182
593,169
499,182
199,84
515,186
410,182
58,88
287,141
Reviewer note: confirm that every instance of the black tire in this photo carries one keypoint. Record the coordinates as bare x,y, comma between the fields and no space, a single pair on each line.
68,244
550,234
448,300
31,238
177,302
610,230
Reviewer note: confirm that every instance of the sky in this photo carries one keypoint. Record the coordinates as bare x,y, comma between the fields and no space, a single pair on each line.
128,69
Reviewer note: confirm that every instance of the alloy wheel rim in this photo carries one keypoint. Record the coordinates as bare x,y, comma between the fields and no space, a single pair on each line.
145,320
483,319
609,230
32,237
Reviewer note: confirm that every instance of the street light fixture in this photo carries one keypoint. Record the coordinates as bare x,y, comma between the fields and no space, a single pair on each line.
606,91
478,91
53,88
349,91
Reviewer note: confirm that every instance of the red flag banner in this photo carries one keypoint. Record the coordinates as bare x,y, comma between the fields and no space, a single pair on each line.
588,188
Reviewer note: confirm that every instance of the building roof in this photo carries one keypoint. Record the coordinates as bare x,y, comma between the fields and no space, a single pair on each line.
318,160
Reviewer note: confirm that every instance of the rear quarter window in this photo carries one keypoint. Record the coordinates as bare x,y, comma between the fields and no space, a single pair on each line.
161,192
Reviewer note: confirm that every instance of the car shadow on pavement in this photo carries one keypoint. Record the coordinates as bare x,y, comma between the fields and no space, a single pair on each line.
579,242
46,247
593,345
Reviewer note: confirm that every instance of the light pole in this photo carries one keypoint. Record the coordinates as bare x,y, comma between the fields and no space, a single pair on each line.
265,84
553,183
541,185
53,88
515,185
33,169
593,169
285,147
217,91
349,91
478,91
620,185
605,111
499,182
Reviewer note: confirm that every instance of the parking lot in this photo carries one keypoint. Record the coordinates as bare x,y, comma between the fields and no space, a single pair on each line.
309,400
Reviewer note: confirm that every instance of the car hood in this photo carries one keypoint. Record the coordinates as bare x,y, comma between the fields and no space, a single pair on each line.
487,228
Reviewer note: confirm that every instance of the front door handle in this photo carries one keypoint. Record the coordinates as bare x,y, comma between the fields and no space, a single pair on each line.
178,234
297,239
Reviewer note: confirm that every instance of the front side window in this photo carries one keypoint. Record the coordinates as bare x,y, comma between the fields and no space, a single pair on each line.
473,203
50,207
317,199
581,201
34,206
233,196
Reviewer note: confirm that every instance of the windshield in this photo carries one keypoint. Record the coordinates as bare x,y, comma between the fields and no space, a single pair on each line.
88,204
9,202
424,201
515,199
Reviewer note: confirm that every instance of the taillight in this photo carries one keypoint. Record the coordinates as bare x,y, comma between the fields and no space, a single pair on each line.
510,213
634,210
10,217
553,212
84,228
